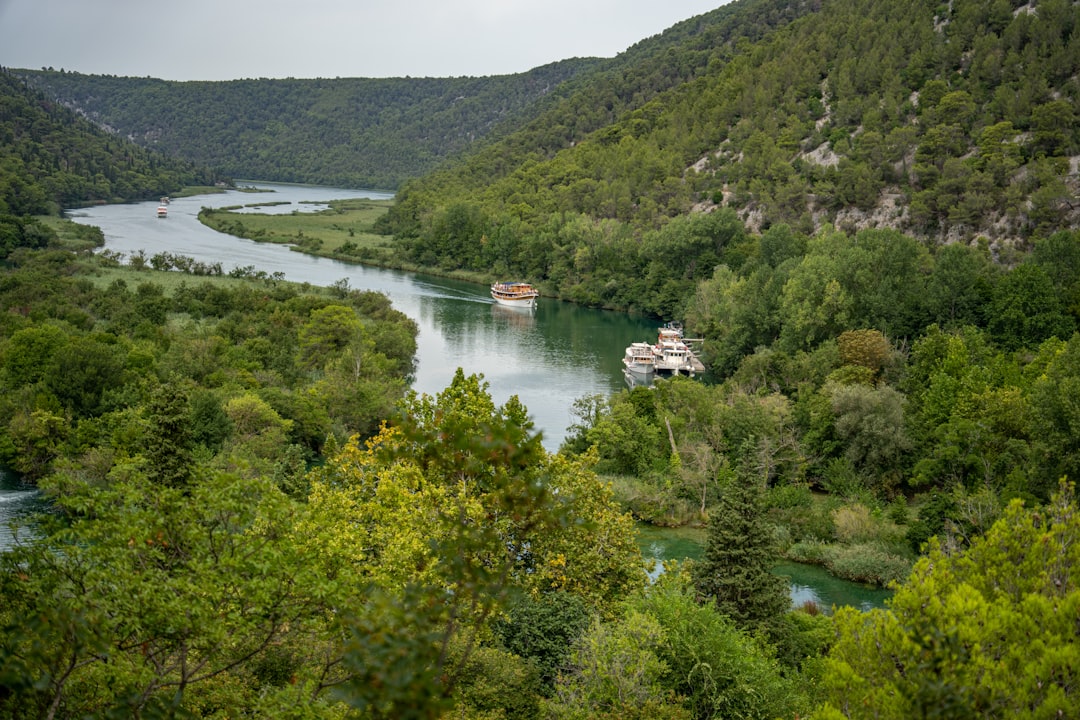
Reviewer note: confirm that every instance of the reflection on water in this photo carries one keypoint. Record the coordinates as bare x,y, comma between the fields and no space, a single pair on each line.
809,583
522,317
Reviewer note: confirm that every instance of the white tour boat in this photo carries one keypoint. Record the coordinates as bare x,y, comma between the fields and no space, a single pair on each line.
640,359
162,211
515,294
670,355
673,355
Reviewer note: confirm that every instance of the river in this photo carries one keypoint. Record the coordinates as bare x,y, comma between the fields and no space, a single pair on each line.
549,357
809,583
17,502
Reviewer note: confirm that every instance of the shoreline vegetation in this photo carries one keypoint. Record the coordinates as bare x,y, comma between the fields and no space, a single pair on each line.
218,339
346,231
855,539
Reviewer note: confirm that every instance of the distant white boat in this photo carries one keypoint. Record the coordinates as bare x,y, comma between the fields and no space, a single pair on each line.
162,211
515,294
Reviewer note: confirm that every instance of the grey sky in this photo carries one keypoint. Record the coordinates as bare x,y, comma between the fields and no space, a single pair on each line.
231,39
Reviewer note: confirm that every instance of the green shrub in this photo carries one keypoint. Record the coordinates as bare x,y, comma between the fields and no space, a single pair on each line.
811,552
868,563
853,523
800,636
789,496
814,523
651,504
898,512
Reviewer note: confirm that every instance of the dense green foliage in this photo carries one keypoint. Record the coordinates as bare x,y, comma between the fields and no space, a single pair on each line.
990,632
346,132
667,656
51,158
251,377
208,592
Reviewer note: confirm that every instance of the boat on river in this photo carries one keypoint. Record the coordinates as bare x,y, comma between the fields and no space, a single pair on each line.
670,355
515,294
162,211
673,355
639,359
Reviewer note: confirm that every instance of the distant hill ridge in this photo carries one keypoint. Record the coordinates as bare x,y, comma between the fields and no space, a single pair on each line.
352,132
50,158
948,122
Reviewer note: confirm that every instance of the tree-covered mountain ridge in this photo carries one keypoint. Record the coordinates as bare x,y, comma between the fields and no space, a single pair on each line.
947,122
50,159
352,132
371,132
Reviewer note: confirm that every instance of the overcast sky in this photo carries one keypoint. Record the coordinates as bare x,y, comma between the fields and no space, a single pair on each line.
232,39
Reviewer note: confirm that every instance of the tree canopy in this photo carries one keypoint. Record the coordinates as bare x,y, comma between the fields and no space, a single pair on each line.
985,632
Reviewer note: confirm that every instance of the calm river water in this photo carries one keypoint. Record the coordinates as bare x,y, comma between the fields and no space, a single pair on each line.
17,501
548,357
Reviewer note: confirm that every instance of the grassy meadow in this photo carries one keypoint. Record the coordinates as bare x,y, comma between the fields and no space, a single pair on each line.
344,230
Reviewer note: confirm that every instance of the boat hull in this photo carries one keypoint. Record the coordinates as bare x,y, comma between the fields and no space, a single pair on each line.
529,302
639,369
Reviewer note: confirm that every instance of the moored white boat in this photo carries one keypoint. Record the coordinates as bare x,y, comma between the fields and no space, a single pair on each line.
673,355
515,294
640,359
670,355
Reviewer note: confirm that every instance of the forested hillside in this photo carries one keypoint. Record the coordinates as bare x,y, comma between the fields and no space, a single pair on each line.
50,158
348,132
947,122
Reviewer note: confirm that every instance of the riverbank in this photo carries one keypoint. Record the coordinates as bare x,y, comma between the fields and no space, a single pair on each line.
809,583
344,231
851,539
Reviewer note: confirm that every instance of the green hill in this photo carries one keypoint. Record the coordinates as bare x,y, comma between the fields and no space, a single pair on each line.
946,122
351,132
50,158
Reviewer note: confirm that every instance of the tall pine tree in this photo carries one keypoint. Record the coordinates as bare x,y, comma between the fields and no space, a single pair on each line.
739,553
